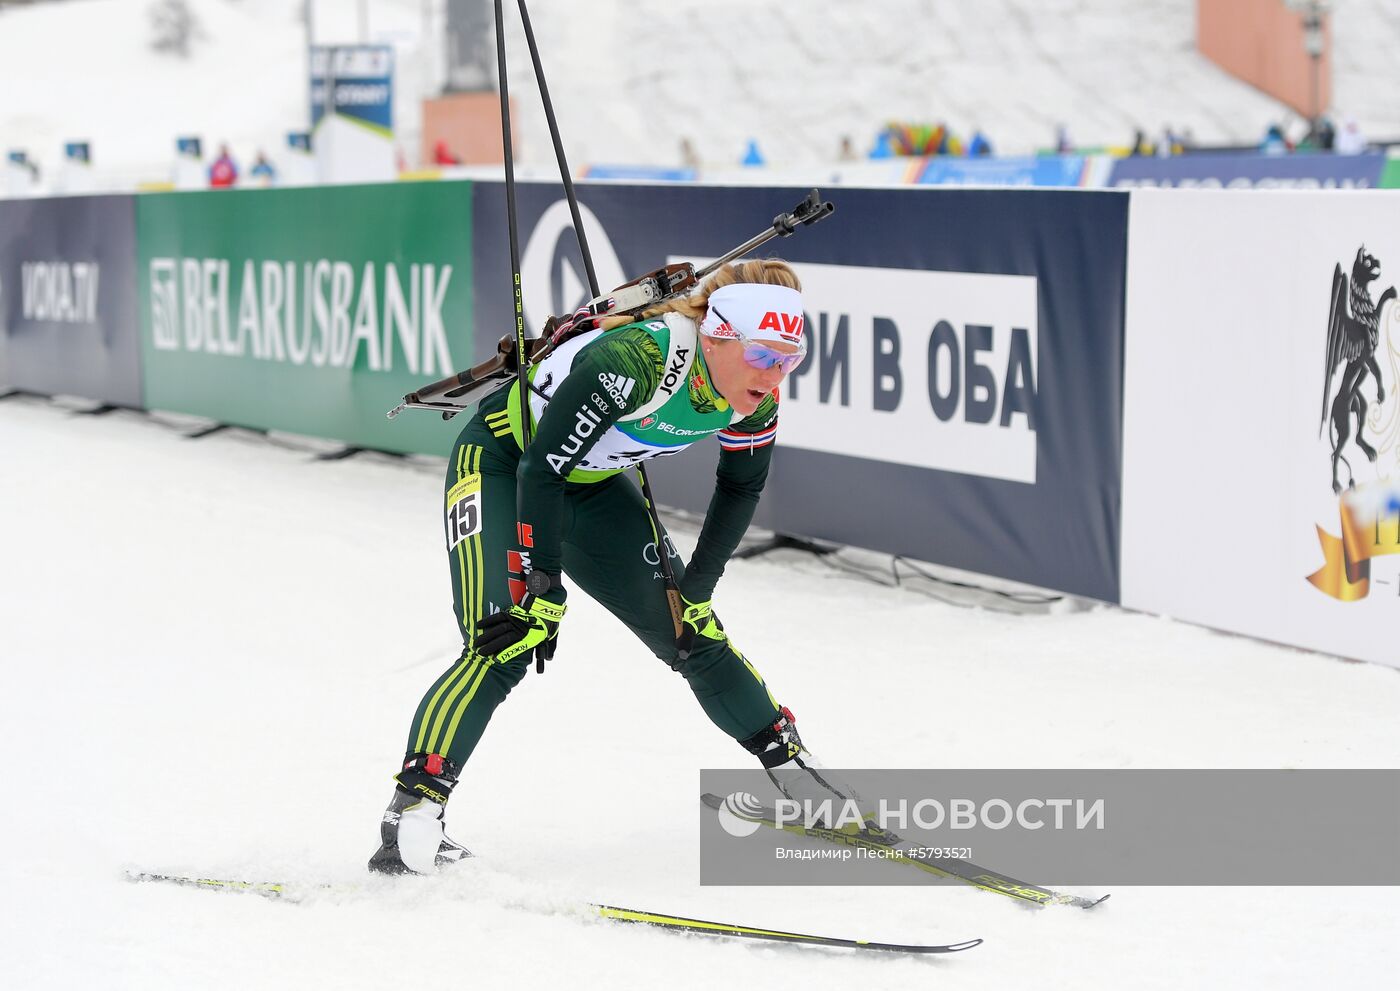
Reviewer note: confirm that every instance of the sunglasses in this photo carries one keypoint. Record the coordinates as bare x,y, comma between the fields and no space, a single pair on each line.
759,355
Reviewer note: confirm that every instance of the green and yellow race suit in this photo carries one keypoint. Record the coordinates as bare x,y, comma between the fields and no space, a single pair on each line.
601,403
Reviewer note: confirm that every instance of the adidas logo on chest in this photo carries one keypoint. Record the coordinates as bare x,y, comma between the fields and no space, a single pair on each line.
619,387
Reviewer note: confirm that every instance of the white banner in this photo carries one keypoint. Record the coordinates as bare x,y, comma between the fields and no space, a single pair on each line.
929,369
1239,416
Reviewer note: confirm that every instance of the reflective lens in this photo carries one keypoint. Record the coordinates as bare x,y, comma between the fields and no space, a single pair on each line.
761,356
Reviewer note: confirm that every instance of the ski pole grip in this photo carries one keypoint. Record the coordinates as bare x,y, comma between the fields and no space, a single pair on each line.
673,599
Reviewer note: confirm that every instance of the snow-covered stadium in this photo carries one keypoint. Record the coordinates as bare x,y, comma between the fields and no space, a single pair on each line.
1079,452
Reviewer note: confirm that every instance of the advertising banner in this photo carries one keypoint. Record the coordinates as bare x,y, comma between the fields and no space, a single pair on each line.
1048,170
68,297
357,81
190,171
961,403
639,173
19,174
1262,422
352,112
75,173
307,310
1390,175
1207,171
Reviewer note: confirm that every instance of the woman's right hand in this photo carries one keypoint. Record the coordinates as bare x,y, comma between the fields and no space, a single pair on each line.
531,625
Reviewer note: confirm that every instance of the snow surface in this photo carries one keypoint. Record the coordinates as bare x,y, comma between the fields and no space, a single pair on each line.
212,649
795,76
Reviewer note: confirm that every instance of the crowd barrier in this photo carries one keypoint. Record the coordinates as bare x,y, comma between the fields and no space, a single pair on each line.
1213,171
68,297
1121,395
961,404
1234,412
1390,175
1088,171
1197,169
308,310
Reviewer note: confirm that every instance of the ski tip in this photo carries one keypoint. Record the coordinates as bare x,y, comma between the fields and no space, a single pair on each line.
966,944
1076,901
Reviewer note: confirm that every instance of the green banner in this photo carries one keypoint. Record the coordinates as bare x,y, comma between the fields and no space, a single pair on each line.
311,310
1390,174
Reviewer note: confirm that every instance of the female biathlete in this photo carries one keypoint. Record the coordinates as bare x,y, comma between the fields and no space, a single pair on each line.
700,365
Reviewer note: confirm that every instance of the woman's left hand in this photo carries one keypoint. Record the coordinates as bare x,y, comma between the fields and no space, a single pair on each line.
698,619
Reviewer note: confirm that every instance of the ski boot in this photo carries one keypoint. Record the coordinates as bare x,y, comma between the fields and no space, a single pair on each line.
411,834
801,777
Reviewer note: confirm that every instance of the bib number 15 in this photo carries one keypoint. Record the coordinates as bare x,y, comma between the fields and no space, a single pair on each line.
463,510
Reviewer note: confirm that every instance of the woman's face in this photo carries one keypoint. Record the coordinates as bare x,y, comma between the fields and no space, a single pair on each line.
741,384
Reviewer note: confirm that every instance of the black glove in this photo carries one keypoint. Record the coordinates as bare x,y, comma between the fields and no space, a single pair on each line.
532,625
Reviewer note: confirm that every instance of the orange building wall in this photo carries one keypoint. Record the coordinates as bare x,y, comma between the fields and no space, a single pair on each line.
1261,42
470,123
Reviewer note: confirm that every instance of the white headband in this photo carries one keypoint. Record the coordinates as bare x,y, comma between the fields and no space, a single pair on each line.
759,312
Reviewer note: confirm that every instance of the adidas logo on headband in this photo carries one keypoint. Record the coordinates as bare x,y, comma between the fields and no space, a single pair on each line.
762,312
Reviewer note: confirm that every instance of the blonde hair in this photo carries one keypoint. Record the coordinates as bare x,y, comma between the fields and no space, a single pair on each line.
765,271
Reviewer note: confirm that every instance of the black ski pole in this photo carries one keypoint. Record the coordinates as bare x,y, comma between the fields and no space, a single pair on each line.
564,175
522,363
673,592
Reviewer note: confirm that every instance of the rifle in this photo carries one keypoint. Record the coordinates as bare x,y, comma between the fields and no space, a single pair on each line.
466,388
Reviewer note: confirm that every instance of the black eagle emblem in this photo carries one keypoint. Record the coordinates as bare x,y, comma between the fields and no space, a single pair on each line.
1351,342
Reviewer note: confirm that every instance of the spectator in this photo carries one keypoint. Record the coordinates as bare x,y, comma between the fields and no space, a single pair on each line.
1063,145
1274,143
1350,140
979,147
1167,145
442,155
847,152
1296,131
690,158
262,170
224,172
1140,145
942,141
1326,134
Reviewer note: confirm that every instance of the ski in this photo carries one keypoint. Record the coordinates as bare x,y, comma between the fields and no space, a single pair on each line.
677,923
268,889
658,920
961,870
